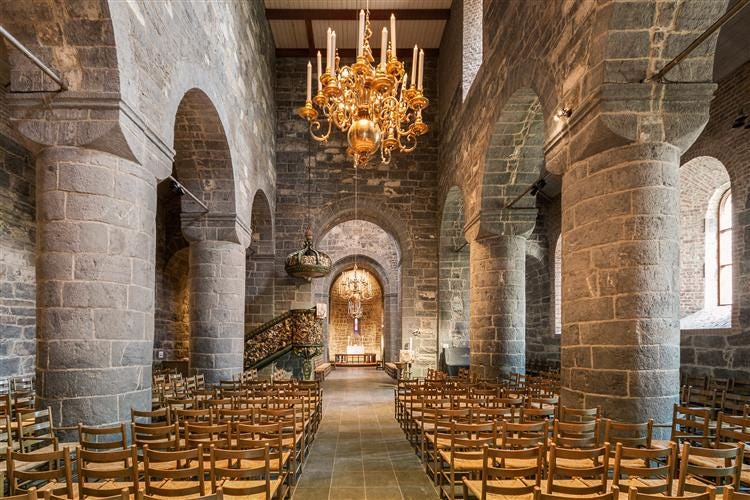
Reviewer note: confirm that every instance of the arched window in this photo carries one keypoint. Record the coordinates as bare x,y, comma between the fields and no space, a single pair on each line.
724,250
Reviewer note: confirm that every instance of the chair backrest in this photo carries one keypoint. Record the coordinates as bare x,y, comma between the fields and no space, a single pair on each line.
5,407
6,436
537,414
635,494
725,469
691,425
576,434
97,468
731,494
630,435
219,435
732,429
495,468
155,418
614,494
524,435
661,474
193,415
165,437
217,495
103,438
185,469
31,469
734,404
35,430
247,471
568,414
591,464
32,494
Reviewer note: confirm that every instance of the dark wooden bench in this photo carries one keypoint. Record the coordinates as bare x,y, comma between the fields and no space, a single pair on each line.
322,369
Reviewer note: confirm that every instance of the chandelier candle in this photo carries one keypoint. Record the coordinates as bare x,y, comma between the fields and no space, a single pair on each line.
309,80
374,104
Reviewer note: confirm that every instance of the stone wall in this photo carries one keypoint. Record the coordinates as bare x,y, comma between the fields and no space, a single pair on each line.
400,198
17,259
454,279
724,352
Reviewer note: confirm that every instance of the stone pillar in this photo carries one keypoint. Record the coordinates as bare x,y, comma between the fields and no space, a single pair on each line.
620,344
95,285
497,324
217,308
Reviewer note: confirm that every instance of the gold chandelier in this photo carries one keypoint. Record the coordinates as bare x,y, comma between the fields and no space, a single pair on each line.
378,106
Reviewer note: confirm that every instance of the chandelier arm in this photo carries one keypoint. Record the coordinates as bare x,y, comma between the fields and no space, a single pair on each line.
315,125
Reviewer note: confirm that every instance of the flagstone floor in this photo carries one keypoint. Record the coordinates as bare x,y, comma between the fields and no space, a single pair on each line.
360,451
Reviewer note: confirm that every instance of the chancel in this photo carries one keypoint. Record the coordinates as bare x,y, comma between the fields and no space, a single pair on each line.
411,249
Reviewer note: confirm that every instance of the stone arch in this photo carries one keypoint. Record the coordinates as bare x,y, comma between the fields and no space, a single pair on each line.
472,42
515,158
203,164
453,274
380,251
703,181
259,264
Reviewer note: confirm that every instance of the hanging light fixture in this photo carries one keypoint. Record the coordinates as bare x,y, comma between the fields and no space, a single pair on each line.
377,105
307,262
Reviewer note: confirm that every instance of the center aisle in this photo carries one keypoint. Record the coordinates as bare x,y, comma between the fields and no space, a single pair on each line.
360,451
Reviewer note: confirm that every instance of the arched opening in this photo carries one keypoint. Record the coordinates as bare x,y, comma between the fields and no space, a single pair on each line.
259,265
557,290
453,275
202,164
377,251
351,329
472,15
706,245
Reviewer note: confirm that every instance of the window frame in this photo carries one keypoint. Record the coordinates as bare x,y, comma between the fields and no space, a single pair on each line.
726,197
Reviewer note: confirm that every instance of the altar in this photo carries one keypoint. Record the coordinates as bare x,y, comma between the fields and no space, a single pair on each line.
363,359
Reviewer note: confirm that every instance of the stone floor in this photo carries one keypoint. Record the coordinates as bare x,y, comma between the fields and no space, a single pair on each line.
360,451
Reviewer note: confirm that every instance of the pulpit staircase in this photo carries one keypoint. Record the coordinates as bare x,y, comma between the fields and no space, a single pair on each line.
298,331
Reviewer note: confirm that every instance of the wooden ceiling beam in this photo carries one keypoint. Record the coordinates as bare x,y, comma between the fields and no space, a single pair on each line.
345,53
350,15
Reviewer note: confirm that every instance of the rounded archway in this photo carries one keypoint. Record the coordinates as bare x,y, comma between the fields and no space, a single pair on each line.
259,265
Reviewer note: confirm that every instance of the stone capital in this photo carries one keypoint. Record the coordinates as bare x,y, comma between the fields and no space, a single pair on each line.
617,114
504,222
101,121
201,226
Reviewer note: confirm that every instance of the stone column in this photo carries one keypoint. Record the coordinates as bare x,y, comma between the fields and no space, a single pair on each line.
95,285
620,261
217,308
497,324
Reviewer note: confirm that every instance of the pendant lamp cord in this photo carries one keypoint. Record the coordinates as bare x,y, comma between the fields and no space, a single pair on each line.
356,207
309,179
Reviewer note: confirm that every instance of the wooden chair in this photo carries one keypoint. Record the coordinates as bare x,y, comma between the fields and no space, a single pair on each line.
576,434
164,438
174,473
500,478
731,494
6,444
123,495
104,473
567,464
103,438
218,435
726,469
650,479
691,425
614,494
465,453
253,436
244,473
53,468
634,494
537,414
436,436
35,430
29,495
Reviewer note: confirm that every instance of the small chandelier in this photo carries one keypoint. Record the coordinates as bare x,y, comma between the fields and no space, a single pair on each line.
355,308
355,283
377,106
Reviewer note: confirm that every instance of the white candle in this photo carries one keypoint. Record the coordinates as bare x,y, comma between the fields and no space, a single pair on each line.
309,81
333,53
421,69
393,35
411,343
320,72
328,51
383,45
361,34
414,63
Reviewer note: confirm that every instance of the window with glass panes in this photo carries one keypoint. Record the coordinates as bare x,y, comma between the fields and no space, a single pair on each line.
725,249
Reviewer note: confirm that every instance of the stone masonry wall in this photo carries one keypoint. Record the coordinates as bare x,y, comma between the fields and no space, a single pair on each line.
400,198
725,352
